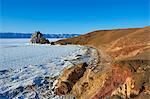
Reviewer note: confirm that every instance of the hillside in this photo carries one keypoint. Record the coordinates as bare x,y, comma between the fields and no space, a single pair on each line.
119,43
122,69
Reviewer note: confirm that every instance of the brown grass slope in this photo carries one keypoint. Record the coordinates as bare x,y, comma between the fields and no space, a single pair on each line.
119,43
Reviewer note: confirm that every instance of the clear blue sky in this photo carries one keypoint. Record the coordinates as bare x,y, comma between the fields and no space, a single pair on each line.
72,16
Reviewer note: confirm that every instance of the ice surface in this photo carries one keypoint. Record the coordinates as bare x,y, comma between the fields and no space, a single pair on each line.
27,65
20,56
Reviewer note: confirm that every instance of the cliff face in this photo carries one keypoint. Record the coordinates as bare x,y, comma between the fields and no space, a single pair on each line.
123,66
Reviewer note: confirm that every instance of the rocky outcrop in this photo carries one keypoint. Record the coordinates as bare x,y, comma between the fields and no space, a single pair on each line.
38,38
68,78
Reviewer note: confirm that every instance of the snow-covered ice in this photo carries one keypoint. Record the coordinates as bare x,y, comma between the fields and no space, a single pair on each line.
26,65
20,56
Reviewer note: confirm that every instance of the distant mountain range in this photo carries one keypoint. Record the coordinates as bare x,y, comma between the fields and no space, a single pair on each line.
28,35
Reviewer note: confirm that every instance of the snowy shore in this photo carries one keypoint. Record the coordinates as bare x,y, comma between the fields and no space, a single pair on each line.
29,71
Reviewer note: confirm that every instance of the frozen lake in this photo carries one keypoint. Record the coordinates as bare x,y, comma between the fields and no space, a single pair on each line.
16,53
23,64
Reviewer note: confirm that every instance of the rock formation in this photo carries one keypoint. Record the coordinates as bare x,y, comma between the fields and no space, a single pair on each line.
38,38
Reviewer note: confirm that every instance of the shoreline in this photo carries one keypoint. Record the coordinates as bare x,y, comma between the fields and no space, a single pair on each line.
40,83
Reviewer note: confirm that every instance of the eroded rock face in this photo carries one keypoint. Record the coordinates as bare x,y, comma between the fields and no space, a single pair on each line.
117,77
68,78
89,84
123,79
137,83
